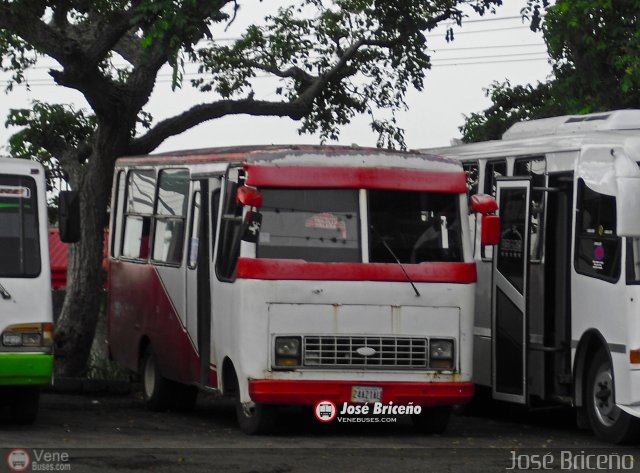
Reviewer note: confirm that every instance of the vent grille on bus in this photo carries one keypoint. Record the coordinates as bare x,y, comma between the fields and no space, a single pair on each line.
342,351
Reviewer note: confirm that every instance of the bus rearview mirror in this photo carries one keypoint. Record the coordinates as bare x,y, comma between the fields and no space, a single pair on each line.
69,216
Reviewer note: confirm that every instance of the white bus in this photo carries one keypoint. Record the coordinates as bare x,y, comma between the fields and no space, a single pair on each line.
293,275
26,314
557,315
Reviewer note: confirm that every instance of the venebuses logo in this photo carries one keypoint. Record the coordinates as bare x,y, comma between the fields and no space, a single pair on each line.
325,411
18,460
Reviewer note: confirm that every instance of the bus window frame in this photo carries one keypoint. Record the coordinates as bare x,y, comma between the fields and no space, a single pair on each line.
156,216
483,248
577,234
126,214
118,209
227,197
542,228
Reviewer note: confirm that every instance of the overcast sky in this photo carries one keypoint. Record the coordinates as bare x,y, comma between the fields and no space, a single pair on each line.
491,48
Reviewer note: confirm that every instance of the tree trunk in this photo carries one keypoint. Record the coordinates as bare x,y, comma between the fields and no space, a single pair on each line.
85,276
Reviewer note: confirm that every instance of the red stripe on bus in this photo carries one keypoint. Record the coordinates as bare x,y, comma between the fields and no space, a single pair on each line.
354,178
310,392
280,269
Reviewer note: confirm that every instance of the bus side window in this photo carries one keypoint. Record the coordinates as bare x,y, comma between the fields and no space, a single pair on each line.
535,168
492,170
633,260
117,210
194,231
597,251
171,212
229,241
137,222
472,170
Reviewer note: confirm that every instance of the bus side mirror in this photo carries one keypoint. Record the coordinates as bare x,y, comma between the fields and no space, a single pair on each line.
627,205
69,216
490,234
487,205
249,196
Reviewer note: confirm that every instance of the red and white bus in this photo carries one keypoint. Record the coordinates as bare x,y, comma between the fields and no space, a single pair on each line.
290,275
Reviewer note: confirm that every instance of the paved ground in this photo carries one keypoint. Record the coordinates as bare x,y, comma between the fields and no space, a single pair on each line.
116,433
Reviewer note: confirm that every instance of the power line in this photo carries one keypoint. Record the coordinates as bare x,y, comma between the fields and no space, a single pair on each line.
165,78
491,56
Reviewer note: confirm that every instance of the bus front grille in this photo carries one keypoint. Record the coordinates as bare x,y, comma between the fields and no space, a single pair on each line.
371,352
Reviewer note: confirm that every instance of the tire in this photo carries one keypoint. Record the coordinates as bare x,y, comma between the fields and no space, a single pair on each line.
432,420
257,420
24,405
155,388
608,421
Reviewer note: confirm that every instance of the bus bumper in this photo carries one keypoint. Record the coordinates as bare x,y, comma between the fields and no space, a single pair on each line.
311,392
25,368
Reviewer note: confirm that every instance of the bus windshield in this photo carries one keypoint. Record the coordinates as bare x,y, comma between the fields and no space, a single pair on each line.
318,225
19,239
323,225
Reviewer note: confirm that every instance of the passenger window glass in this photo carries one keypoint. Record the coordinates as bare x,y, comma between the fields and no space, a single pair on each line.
137,229
597,246
534,168
117,212
194,240
229,239
472,171
171,211
493,170
19,232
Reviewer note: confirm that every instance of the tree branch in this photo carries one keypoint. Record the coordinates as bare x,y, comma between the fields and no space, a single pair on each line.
205,112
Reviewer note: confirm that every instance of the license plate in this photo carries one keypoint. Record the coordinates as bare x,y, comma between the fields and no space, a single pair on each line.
366,394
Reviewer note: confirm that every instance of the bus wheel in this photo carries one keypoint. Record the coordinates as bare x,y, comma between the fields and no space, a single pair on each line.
432,420
257,420
155,388
608,421
24,406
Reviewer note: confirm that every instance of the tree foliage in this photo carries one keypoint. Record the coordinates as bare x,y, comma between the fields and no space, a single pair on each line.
331,60
594,49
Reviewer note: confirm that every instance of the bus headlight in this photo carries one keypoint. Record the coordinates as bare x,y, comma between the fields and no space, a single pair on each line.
287,351
441,354
28,335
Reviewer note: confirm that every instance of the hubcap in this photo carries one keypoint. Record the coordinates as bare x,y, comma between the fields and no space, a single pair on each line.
149,377
605,407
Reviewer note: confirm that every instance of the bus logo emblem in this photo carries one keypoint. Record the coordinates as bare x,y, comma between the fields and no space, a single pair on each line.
18,460
325,411
365,351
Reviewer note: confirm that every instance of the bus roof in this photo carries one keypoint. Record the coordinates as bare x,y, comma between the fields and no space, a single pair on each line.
555,135
298,155
20,166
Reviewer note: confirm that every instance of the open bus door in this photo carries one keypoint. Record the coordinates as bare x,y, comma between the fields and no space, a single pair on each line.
198,276
509,292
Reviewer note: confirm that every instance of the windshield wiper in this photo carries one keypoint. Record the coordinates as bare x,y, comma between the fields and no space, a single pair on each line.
4,293
396,258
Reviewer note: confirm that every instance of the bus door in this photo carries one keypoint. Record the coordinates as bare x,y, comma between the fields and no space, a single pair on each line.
198,284
509,292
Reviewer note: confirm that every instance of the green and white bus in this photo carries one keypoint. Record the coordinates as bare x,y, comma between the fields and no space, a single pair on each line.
26,314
